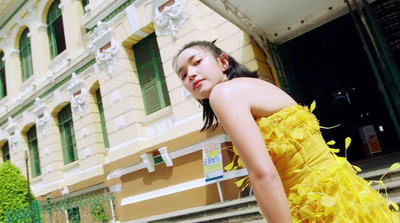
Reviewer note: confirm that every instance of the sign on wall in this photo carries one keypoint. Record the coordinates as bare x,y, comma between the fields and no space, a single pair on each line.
212,160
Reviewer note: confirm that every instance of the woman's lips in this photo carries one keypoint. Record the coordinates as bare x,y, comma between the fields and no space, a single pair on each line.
197,83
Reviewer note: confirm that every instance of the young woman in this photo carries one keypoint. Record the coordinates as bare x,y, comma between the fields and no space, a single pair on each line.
291,169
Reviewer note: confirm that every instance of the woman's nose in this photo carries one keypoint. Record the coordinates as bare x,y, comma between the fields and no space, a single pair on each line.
192,74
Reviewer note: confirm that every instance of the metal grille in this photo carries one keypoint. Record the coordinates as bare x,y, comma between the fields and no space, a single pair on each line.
95,207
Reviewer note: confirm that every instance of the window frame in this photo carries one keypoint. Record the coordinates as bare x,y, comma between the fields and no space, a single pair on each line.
56,34
158,73
67,133
3,84
5,149
25,54
99,102
34,152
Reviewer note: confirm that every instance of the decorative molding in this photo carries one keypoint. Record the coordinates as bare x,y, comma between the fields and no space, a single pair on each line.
59,62
102,36
42,122
249,26
11,126
166,157
61,6
41,27
107,60
64,191
14,52
148,161
100,32
171,19
115,188
42,117
19,22
5,35
14,136
88,8
79,95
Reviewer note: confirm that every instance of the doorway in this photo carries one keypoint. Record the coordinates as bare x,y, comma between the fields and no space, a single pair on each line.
332,69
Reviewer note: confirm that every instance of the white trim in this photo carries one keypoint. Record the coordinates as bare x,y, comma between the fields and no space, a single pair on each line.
174,154
180,187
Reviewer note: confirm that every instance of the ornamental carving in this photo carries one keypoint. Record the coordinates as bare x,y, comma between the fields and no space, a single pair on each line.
42,117
14,137
170,20
13,141
107,59
79,95
80,102
42,122
100,32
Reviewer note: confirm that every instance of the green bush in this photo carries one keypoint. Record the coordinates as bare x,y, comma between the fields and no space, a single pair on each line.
99,214
13,189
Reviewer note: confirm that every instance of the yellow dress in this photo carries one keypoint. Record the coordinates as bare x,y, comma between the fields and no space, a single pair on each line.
320,186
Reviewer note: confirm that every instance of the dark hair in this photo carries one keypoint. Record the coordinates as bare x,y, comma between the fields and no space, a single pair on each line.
234,70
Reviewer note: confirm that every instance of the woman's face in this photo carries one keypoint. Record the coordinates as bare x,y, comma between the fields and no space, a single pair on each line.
200,70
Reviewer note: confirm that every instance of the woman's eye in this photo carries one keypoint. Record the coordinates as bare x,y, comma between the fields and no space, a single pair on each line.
184,76
197,62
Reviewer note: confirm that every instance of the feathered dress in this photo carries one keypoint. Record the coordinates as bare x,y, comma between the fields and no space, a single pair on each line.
320,186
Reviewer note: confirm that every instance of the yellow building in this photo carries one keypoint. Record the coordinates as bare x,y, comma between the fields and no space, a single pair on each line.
89,96
88,91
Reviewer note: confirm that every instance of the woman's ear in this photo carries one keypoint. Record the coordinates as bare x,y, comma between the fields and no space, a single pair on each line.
223,60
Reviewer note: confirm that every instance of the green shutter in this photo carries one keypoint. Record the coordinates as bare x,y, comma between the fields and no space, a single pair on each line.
25,55
55,30
6,152
34,152
67,135
102,119
3,86
151,74
84,4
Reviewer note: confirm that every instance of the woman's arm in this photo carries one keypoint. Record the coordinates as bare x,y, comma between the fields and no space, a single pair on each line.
233,110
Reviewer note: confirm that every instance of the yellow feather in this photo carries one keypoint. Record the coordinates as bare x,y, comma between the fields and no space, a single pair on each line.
394,166
312,107
394,205
347,141
331,143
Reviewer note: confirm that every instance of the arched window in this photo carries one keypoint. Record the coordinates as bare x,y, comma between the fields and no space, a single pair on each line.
67,134
25,55
3,86
55,30
6,152
34,151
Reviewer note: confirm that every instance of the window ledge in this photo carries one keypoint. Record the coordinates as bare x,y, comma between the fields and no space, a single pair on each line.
36,179
59,61
71,165
157,115
27,83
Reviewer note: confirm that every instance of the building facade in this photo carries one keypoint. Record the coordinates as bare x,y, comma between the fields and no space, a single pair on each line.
89,95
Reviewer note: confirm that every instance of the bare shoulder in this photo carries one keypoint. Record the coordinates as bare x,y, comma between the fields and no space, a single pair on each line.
261,97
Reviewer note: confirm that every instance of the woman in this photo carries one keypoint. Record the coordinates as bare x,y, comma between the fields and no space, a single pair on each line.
291,169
